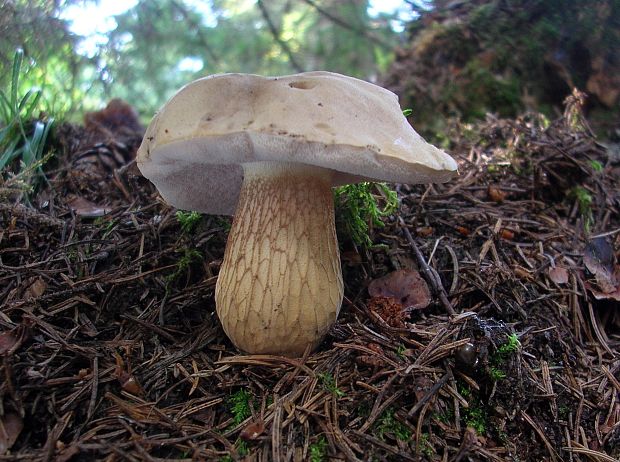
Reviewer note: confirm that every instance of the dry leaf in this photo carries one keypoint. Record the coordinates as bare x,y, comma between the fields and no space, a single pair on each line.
600,260
127,380
130,384
559,275
424,231
599,295
496,194
35,289
85,208
252,431
406,286
7,341
463,231
11,426
521,272
506,234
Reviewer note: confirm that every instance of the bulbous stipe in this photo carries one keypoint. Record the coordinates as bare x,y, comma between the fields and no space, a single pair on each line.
280,284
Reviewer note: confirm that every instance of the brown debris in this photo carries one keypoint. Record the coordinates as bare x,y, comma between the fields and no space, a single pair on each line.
116,121
111,350
11,425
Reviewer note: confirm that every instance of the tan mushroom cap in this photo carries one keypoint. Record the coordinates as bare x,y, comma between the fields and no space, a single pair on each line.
195,145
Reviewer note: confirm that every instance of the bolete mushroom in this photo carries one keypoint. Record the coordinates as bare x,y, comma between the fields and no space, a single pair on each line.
269,150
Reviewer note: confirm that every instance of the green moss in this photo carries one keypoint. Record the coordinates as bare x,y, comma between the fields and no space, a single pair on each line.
424,446
189,257
563,412
484,89
511,346
387,424
444,417
475,417
329,384
188,220
241,448
503,56
240,405
584,202
496,374
400,351
318,450
357,209
498,360
596,166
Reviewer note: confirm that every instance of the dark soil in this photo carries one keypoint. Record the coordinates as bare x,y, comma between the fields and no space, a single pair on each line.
111,349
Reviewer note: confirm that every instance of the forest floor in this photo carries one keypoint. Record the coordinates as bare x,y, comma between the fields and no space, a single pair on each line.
111,349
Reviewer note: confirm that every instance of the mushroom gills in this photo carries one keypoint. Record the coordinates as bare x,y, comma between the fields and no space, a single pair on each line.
280,284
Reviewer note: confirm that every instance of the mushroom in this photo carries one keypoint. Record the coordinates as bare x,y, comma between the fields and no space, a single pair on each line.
268,151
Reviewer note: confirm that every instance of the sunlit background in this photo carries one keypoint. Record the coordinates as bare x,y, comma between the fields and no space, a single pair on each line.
443,58
143,50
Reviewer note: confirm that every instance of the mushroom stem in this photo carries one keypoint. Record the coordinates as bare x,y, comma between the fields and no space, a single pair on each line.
280,285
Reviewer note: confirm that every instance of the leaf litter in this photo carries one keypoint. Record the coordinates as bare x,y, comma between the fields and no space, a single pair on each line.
111,350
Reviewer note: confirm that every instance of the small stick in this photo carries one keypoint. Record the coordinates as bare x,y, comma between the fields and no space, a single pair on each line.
430,275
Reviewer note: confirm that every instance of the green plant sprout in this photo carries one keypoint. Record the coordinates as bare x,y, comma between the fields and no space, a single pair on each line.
564,412
20,138
596,166
424,446
329,384
504,351
400,351
407,112
445,416
357,207
242,447
318,450
105,224
240,406
496,374
188,220
511,346
463,389
189,256
584,199
388,424
242,450
475,417
584,202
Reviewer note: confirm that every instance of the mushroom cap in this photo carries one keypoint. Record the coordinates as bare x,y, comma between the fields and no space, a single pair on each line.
195,146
